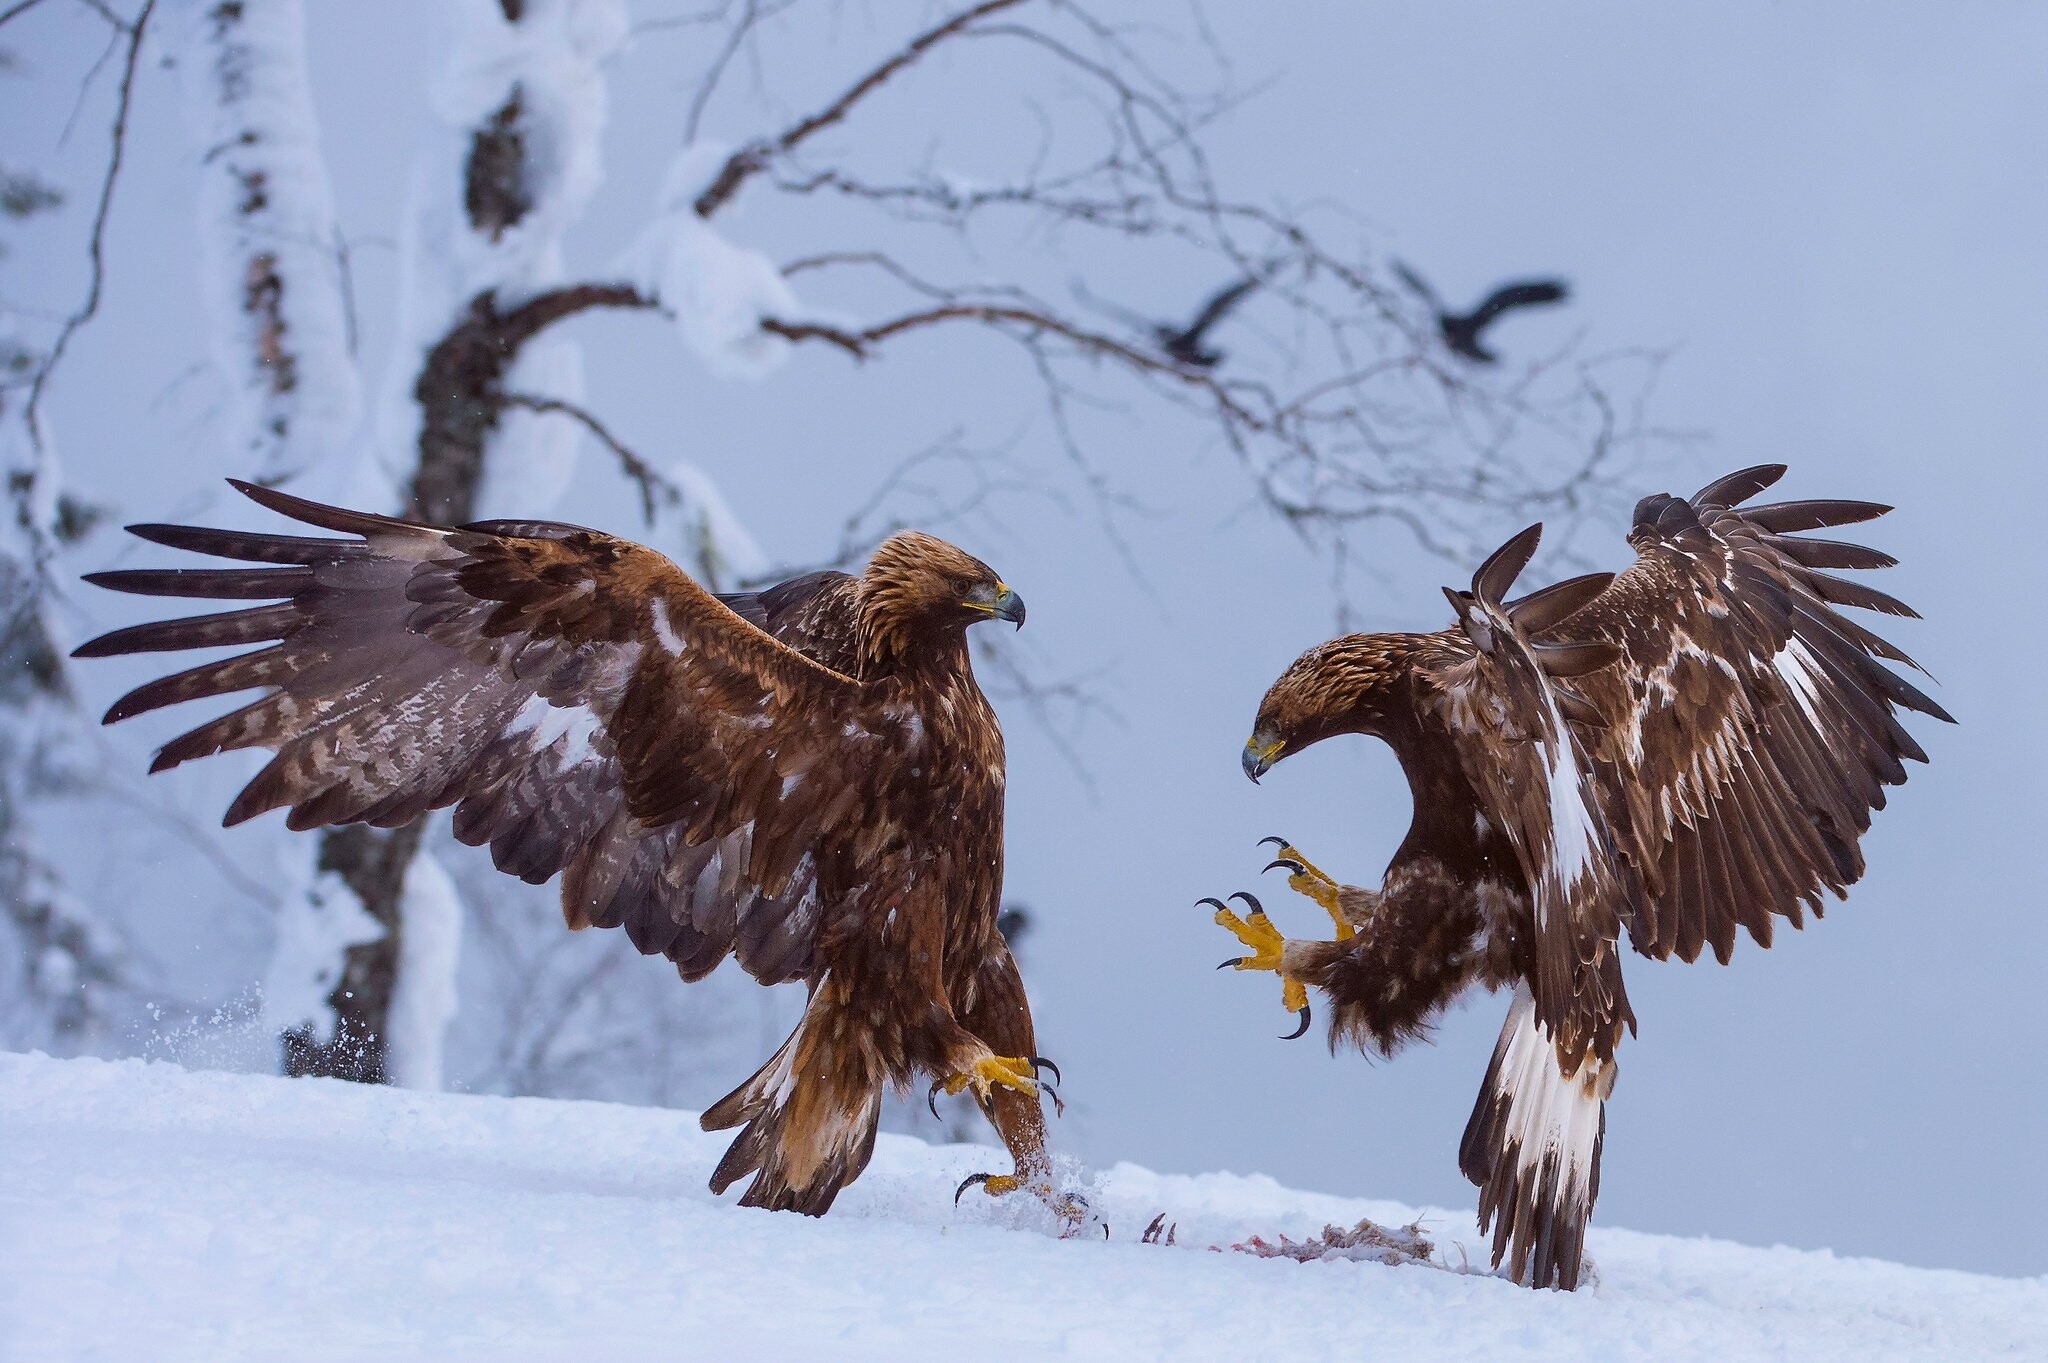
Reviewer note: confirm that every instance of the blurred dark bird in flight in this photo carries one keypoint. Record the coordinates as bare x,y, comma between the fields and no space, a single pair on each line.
1461,331
1184,344
1013,924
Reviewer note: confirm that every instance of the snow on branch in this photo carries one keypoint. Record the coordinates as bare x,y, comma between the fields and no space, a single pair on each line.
717,293
268,233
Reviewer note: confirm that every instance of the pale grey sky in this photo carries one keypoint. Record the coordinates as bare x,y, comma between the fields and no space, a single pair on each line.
1833,213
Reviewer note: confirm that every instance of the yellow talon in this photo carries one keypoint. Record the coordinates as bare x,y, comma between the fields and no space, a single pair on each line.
1269,947
1309,879
1011,1072
1256,932
1293,994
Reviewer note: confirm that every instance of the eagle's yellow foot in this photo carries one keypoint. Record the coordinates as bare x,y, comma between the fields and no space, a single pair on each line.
1071,1208
1305,877
986,1075
1268,944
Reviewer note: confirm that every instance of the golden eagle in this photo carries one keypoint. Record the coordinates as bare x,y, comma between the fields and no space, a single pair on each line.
1664,756
808,778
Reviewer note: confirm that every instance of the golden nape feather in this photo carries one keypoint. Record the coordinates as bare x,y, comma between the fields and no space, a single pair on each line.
1651,759
807,778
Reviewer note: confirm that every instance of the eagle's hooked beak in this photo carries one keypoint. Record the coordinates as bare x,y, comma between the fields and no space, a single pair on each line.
1000,602
1260,753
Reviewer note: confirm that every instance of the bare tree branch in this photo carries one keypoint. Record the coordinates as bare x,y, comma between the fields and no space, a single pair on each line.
655,490
15,11
755,157
96,239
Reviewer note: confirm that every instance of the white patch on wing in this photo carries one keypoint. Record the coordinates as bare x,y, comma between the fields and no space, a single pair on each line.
550,723
664,632
1796,666
1571,820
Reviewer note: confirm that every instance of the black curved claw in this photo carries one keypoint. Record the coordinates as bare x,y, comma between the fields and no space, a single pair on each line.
1276,840
1293,867
1302,1030
1256,906
931,1100
987,1104
967,1183
1212,899
1233,961
1039,1062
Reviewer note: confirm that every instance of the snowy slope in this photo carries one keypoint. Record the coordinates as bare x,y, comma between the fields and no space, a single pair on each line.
151,1213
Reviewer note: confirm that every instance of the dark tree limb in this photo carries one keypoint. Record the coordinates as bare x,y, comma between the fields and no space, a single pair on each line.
461,390
756,157
133,33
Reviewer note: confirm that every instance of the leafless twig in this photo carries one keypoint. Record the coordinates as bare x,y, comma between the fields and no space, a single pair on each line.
134,31
655,490
755,157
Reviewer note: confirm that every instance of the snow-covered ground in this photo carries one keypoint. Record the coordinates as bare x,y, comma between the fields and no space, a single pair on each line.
151,1213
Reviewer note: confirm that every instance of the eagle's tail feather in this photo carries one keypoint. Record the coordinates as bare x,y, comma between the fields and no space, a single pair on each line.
1533,1147
810,1123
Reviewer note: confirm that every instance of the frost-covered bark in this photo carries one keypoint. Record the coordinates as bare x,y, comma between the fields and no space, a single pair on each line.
278,310
268,238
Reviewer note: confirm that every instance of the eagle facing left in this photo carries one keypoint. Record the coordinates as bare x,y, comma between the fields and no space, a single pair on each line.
808,779
1650,759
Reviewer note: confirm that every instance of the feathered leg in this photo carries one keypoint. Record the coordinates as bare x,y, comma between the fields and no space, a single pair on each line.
1000,1016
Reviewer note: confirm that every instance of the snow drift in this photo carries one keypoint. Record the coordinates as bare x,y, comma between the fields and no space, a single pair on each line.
150,1212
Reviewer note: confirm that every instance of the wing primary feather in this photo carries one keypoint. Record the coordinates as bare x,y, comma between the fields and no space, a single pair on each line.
1575,660
1490,584
1838,591
1735,488
248,545
265,667
348,522
1549,606
260,625
223,584
1828,553
1784,518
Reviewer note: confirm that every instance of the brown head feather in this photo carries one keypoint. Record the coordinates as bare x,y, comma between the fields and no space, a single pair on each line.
916,591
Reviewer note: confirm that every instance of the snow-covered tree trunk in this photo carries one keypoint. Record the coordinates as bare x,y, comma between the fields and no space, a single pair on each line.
66,955
278,309
268,238
523,107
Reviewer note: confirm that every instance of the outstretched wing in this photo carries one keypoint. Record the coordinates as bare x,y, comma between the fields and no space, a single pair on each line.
587,707
1751,728
1218,307
1524,294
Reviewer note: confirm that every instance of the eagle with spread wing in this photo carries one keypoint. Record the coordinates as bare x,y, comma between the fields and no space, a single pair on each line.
807,778
1658,757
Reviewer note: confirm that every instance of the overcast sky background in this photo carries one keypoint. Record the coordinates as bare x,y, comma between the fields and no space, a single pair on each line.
1833,212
